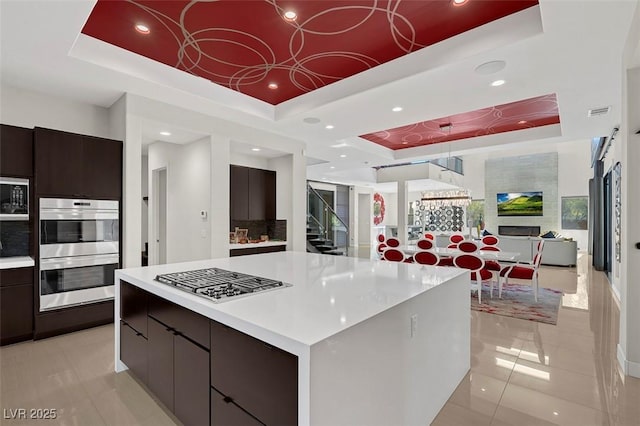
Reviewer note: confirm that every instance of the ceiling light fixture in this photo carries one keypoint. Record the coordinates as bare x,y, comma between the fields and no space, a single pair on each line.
273,86
396,109
311,120
332,167
490,67
405,143
343,155
522,122
446,127
165,133
142,29
446,198
290,16
329,126
255,149
498,83
459,2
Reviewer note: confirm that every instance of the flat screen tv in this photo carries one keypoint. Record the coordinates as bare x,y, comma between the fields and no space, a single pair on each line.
519,203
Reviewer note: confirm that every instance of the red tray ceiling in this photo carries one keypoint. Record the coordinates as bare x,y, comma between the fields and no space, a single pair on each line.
534,112
245,44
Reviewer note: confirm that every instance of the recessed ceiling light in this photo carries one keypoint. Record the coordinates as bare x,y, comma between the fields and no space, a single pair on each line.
522,122
142,29
498,83
165,133
290,15
396,109
405,143
459,2
332,167
329,126
343,155
490,67
273,86
255,149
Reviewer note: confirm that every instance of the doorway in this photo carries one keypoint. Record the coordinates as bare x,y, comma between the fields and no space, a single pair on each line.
159,240
364,219
607,223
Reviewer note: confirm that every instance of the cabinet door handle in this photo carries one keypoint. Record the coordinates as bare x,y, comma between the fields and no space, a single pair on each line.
227,399
171,329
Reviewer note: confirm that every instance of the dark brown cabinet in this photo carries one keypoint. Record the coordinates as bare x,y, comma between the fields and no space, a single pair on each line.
72,165
160,346
16,305
133,309
224,412
259,378
256,250
16,151
252,193
133,351
191,382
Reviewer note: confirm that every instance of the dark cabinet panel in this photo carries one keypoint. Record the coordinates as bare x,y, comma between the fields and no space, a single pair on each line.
252,194
16,313
256,250
191,382
133,351
16,151
58,163
133,308
186,322
72,165
225,413
260,378
239,201
103,168
74,318
16,276
160,358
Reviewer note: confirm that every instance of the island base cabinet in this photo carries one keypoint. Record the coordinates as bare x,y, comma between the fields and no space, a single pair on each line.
191,382
133,351
224,412
160,346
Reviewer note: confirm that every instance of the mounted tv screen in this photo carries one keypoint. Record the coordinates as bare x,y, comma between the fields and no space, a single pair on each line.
519,203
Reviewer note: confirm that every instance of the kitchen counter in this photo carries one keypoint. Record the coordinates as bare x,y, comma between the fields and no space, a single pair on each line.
235,246
16,262
346,318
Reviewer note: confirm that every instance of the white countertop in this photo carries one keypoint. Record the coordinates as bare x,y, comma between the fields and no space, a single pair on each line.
235,246
329,293
16,262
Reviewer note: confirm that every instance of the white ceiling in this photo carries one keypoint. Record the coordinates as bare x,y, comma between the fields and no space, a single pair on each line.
568,47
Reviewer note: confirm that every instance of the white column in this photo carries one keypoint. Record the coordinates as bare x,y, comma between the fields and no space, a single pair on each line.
297,229
219,211
629,345
403,206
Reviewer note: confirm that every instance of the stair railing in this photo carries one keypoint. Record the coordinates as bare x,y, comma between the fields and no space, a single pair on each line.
330,225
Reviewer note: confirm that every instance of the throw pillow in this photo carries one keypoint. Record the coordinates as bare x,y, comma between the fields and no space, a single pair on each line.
549,234
485,233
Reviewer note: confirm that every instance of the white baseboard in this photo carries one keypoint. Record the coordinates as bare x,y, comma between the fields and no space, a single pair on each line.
630,368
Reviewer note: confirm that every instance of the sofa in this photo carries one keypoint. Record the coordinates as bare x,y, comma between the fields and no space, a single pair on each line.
556,251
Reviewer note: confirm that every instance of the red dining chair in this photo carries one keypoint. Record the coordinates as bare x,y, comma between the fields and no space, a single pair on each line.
393,255
381,238
478,274
522,271
426,257
492,265
424,244
452,246
381,247
393,242
467,246
429,236
490,240
456,238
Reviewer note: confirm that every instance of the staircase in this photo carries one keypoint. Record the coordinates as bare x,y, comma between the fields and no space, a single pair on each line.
324,226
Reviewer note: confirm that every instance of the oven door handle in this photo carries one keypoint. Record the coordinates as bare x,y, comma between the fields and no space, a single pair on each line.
78,261
57,214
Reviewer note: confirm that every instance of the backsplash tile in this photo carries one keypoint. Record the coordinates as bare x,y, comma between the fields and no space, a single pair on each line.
275,229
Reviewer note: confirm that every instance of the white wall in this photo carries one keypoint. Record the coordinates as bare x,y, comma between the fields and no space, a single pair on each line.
145,204
250,161
24,108
391,209
189,192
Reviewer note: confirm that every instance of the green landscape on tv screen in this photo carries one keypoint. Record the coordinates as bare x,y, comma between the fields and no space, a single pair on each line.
519,203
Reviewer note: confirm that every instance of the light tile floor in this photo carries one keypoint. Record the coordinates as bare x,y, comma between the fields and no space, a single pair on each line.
522,372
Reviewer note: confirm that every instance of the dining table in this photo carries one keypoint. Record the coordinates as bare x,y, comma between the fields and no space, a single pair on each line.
500,256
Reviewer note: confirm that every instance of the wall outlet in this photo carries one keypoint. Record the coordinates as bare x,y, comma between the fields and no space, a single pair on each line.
414,324
203,214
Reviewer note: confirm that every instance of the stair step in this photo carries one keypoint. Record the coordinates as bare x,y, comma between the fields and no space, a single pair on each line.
334,252
312,235
320,241
324,248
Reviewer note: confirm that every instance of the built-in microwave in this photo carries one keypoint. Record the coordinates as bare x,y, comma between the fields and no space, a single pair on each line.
14,199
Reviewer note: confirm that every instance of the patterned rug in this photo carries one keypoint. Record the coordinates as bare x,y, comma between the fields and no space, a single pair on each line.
517,301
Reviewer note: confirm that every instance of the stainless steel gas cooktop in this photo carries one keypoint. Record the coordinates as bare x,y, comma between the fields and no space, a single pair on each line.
219,285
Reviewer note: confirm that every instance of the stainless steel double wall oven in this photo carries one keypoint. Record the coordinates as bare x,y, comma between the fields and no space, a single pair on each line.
79,251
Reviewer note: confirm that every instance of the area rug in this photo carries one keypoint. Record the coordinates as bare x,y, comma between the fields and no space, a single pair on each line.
518,302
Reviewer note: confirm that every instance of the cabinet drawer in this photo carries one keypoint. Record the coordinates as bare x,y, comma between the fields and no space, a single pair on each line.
188,323
133,351
260,378
16,276
133,307
191,382
16,313
225,412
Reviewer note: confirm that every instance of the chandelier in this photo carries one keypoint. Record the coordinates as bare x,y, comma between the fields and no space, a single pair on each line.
446,198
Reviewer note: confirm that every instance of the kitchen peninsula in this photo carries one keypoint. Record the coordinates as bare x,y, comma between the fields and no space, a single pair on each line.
351,341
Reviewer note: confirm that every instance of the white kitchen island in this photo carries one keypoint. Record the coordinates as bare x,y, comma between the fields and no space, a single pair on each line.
377,343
